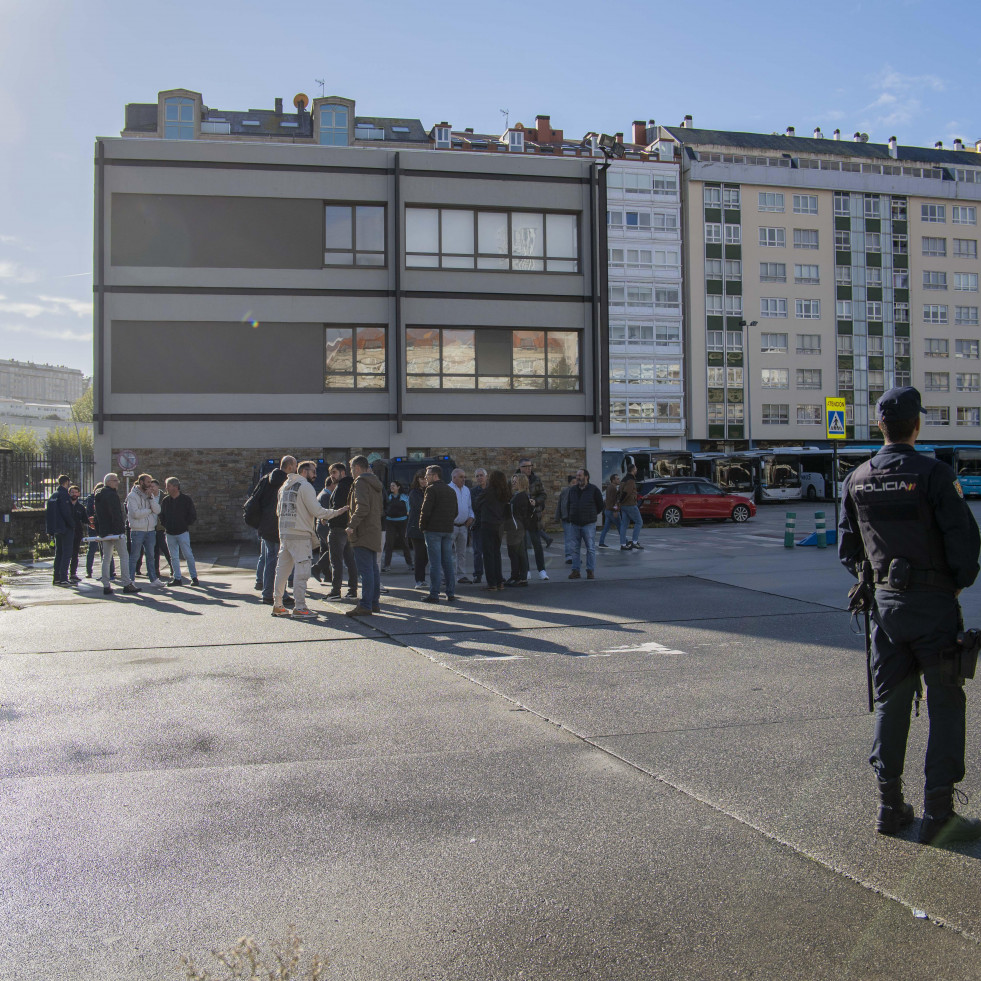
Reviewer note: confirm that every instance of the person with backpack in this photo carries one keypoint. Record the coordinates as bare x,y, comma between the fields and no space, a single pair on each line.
260,513
396,525
629,511
59,522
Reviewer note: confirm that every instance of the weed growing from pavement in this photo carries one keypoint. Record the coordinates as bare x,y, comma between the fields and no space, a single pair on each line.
247,962
43,547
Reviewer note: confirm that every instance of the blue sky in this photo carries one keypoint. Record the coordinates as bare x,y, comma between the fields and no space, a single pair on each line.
903,67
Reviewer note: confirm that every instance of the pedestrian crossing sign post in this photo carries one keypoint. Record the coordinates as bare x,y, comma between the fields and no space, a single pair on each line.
834,417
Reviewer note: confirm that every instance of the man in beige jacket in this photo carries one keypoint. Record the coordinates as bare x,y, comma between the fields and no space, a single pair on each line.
298,511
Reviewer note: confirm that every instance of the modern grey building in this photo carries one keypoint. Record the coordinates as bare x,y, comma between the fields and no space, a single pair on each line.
256,299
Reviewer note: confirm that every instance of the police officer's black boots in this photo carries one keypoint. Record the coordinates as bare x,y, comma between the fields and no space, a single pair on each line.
941,825
894,813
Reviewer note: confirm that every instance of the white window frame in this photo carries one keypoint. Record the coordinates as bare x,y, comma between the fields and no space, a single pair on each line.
772,237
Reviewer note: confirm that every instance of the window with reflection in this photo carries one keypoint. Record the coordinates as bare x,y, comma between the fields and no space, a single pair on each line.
355,358
178,118
517,241
354,235
333,125
492,358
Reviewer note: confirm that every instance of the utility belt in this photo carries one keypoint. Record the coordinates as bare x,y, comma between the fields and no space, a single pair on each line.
900,576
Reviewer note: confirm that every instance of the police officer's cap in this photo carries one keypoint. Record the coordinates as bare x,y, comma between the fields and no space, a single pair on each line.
899,403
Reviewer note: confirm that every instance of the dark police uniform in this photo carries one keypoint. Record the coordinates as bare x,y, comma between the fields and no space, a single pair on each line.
903,504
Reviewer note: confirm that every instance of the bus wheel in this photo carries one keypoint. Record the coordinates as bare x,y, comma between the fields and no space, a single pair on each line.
812,494
672,516
740,513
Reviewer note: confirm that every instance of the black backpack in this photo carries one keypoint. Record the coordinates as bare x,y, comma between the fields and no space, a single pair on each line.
252,508
396,508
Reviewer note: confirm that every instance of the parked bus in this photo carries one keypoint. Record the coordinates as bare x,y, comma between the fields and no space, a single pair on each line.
650,463
735,473
779,475
965,461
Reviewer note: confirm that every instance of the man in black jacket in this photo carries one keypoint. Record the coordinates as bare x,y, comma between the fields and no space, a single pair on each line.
439,511
110,526
585,504
59,520
340,549
268,494
177,514
906,530
536,494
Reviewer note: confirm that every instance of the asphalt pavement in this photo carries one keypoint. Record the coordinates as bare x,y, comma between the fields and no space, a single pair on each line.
659,774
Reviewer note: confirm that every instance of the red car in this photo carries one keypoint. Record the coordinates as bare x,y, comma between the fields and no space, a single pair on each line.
683,501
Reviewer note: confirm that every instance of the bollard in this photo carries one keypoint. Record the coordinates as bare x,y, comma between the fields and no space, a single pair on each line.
822,538
789,529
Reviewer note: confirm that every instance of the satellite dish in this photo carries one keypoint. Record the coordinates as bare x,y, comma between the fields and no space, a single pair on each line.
865,137
301,101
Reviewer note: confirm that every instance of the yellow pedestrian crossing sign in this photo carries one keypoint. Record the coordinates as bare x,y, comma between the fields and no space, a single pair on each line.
834,416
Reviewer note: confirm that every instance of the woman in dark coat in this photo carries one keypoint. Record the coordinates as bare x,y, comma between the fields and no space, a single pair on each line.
494,512
420,556
516,526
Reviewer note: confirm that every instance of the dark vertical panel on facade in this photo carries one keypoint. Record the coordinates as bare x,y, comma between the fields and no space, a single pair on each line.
395,367
603,327
99,374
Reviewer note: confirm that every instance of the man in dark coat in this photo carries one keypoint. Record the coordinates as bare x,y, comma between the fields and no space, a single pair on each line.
439,511
268,491
584,505
110,526
907,533
59,521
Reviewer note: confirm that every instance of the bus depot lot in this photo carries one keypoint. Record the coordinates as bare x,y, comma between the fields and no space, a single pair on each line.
659,774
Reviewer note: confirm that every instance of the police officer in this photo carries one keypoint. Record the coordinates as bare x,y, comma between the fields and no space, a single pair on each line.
904,521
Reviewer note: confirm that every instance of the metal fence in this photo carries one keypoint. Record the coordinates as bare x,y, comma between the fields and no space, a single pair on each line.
34,476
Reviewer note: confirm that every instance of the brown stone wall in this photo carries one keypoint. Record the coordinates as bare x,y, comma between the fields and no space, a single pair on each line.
219,481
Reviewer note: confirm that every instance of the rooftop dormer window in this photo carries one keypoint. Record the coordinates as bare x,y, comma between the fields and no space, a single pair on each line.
178,118
516,140
443,137
333,125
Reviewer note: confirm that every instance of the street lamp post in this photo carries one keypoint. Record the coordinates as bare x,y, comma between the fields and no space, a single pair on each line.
747,380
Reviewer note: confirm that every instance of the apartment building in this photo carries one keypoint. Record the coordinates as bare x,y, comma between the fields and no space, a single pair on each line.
826,267
252,299
644,377
30,382
330,120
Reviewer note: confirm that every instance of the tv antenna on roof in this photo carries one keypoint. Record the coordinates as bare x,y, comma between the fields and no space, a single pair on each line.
506,114
323,86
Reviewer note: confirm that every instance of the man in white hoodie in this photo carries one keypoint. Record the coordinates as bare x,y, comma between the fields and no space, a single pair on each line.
298,512
142,510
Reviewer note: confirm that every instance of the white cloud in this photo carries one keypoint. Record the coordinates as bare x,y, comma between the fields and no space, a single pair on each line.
23,309
18,273
81,308
48,333
891,80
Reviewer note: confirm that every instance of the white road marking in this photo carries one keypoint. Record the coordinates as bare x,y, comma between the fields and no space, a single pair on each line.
651,647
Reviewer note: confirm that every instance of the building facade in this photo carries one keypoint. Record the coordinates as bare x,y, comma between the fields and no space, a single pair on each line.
824,267
30,382
253,300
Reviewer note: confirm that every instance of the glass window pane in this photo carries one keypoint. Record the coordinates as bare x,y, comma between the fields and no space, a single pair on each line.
458,352
422,261
457,232
337,221
528,352
422,381
370,259
561,231
458,262
371,354
492,235
459,381
488,263
527,238
370,228
421,230
561,265
563,353
422,352
495,381
338,258
339,365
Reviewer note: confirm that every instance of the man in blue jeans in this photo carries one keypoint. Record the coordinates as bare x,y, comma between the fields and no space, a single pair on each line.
364,532
585,506
629,511
142,511
439,510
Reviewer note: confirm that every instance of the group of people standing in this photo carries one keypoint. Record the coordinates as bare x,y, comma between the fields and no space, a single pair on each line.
358,526
151,523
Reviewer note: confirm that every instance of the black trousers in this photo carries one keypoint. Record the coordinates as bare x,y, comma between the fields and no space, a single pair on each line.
910,633
395,538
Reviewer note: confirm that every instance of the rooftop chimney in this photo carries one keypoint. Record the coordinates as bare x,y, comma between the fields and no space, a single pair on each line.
688,123
790,130
837,135
469,129
893,152
818,135
857,138
640,132
619,137
939,145
958,144
977,146
544,126
279,107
